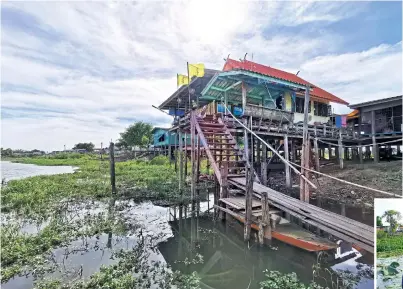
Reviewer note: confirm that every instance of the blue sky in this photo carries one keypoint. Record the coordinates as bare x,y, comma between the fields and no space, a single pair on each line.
82,71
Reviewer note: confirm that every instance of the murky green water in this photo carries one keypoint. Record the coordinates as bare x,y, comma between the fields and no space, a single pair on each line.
190,240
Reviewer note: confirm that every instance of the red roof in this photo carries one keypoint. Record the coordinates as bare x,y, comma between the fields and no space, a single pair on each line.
318,92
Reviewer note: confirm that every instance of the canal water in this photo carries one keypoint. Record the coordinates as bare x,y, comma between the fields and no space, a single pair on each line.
391,281
190,240
14,171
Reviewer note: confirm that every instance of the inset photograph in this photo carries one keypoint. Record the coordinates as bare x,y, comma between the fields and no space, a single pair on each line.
389,243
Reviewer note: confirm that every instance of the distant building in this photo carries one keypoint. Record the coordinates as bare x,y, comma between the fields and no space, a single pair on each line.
385,115
162,138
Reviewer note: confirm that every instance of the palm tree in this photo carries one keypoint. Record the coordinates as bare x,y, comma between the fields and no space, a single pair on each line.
392,217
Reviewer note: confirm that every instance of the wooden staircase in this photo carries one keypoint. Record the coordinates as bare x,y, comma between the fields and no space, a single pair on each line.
220,146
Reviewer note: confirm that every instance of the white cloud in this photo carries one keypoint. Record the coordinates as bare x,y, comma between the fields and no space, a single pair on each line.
82,67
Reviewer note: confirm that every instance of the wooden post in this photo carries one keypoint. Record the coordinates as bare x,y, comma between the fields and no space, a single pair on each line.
340,151
315,144
360,153
287,167
304,190
264,165
112,166
373,131
193,155
176,151
330,152
180,159
224,185
243,96
264,222
185,157
248,202
293,156
258,151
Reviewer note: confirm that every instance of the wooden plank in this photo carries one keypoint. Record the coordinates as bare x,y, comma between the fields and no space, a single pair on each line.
345,225
238,203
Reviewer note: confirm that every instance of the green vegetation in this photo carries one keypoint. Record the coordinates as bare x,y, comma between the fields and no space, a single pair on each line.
392,217
137,134
89,147
60,206
389,245
379,221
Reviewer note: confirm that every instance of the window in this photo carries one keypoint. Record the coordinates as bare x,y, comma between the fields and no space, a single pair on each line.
299,105
320,109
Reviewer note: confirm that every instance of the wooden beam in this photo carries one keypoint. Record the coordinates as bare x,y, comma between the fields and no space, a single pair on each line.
340,141
248,202
287,167
315,144
264,165
304,190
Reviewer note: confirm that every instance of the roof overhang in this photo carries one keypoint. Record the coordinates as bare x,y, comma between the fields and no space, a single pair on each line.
180,98
258,86
376,102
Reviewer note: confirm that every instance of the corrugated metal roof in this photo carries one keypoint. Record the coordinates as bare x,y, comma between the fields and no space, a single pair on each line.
318,92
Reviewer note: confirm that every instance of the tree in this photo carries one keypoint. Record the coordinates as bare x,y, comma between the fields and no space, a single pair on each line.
137,134
89,147
392,217
6,152
379,221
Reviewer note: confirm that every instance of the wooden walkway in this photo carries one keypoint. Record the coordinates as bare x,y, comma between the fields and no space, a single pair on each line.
339,226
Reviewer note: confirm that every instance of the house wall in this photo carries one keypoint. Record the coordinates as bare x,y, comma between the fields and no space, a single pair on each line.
299,117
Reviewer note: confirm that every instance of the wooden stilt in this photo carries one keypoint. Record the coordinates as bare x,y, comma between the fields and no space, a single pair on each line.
264,165
287,167
224,185
304,190
340,151
265,224
360,153
180,159
185,157
176,145
315,144
248,202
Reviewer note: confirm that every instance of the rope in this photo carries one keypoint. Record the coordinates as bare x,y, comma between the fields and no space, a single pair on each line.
357,146
273,150
295,170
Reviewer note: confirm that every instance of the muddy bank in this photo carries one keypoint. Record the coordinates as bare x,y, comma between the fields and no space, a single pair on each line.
385,176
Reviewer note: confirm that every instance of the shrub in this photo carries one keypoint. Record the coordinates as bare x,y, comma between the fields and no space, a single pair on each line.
160,160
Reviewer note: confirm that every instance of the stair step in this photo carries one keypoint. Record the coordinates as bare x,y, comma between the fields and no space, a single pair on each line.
221,143
211,124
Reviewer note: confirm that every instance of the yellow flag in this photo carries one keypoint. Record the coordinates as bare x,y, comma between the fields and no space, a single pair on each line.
182,79
196,70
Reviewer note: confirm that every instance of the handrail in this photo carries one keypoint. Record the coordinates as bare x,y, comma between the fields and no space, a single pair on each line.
273,150
207,149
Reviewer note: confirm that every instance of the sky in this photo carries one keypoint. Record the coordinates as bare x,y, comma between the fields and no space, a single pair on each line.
83,71
382,205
